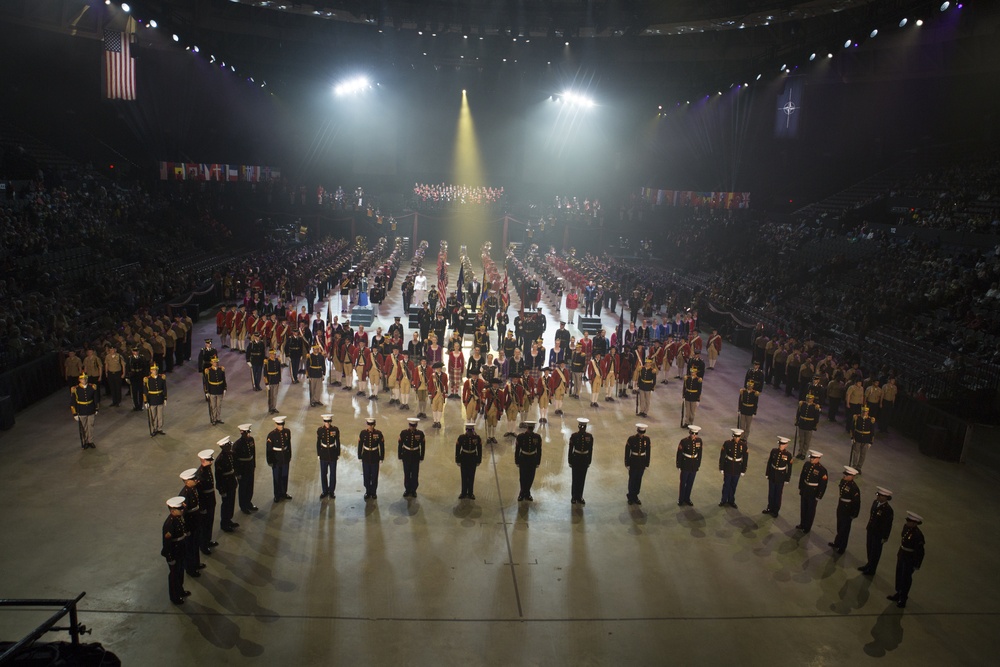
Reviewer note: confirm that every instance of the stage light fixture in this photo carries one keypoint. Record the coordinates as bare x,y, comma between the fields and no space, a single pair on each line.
232,67
567,43
211,59
919,22
176,38
783,68
945,6
758,77
847,44
196,49
126,8
107,2
829,55
354,85
873,33
812,56
903,22
153,24
577,99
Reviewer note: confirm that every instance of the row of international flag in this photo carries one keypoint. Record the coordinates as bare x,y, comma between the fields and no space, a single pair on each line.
696,199
195,171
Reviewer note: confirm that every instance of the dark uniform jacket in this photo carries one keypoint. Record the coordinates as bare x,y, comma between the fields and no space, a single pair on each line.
757,375
272,371
205,356
528,449
83,400
411,445
647,381
779,466
174,533
689,453
850,499
214,381
733,456
154,390
256,352
863,429
880,520
749,400
581,449
469,449
371,446
317,367
206,486
279,447
807,416
637,450
911,546
813,480
692,388
225,471
245,455
192,506
328,443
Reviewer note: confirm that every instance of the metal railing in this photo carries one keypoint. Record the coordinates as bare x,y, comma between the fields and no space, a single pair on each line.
75,628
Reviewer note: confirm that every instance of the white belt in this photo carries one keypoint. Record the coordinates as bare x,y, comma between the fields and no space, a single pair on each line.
278,449
690,456
411,449
732,459
531,453
468,451
905,549
580,451
812,483
781,468
327,446
845,500
370,449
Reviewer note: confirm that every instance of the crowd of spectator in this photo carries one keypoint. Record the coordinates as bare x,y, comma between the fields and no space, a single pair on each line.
963,197
430,195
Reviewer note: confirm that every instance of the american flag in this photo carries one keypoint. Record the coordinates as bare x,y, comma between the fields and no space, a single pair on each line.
119,66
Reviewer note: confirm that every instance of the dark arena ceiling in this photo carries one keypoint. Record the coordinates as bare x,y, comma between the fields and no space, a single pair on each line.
654,43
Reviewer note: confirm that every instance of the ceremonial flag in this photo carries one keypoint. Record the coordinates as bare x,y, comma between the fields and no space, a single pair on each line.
178,171
166,169
461,276
216,171
119,66
788,109
205,172
232,173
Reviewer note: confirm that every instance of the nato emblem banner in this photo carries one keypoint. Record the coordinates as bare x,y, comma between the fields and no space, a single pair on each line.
788,110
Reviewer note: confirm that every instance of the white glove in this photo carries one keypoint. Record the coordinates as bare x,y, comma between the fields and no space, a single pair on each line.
742,474
76,417
248,364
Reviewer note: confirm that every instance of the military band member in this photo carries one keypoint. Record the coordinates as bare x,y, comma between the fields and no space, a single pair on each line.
438,390
637,450
714,349
137,368
559,385
517,403
315,372
94,368
696,362
747,406
175,534
421,380
862,437
848,508
272,378
527,458
778,473
239,332
225,481
577,366
909,558
596,377
806,421
410,451
205,355
472,395
494,403
468,456
214,384
540,391
328,453
114,371
154,394
689,454
854,399
581,454
812,486
279,456
691,396
757,375
878,530
733,459
192,517
206,495
405,371
245,459
256,356
371,452
84,402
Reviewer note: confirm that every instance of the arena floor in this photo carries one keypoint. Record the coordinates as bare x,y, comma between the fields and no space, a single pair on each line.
490,582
